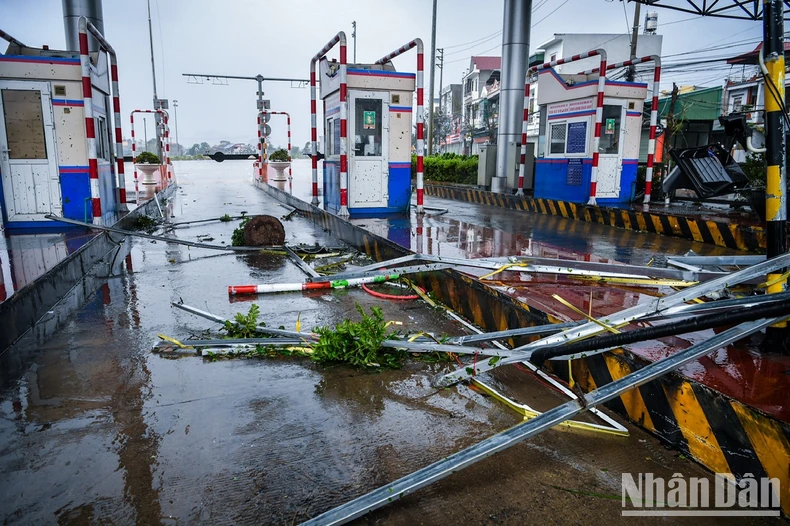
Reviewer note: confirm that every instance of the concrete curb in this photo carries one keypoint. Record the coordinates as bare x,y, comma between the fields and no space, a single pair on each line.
719,233
24,308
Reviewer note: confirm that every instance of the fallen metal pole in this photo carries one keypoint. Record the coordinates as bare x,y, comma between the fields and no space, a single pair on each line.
158,238
259,328
465,458
539,330
307,269
707,321
438,347
718,305
229,342
623,317
716,261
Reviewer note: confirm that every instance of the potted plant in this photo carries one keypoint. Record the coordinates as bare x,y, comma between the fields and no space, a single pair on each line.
148,163
280,160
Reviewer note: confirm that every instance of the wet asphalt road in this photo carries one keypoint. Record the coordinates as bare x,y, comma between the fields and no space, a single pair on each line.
96,428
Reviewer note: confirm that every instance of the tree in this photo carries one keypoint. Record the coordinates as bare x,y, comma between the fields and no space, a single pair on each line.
444,124
295,152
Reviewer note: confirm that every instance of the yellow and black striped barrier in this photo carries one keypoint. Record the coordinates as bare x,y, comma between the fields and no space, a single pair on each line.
721,433
719,233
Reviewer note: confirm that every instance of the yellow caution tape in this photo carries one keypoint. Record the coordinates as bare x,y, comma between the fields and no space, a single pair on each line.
392,322
173,341
421,294
299,322
530,413
502,269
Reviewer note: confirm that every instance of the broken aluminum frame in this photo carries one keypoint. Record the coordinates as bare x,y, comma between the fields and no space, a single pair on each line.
629,315
307,269
537,371
536,265
718,305
307,336
520,432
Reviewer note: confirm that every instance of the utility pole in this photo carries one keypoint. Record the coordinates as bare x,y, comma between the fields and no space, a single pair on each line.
354,36
433,77
175,110
440,65
631,74
776,336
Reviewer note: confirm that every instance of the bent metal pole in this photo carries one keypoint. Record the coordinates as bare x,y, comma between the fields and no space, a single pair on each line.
651,144
420,117
86,27
288,123
447,466
339,38
598,116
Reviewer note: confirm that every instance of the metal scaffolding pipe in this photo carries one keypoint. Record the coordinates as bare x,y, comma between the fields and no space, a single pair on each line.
515,59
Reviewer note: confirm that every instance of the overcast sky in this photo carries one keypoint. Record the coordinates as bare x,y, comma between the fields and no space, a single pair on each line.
277,38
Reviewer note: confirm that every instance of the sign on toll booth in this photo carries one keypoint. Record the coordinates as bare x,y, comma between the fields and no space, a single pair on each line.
567,129
379,127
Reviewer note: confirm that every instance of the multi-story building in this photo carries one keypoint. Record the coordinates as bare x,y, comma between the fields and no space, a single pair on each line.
451,108
475,120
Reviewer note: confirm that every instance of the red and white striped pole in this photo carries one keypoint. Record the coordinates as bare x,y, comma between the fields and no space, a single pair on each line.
90,127
260,150
598,125
417,42
341,38
651,145
598,114
166,141
523,161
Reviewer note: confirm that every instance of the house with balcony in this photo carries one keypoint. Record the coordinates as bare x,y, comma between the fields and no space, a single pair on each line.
476,114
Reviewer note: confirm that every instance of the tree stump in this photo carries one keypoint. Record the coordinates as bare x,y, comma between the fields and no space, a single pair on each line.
263,231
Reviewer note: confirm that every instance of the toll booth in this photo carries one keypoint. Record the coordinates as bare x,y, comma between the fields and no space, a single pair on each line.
379,138
44,165
567,127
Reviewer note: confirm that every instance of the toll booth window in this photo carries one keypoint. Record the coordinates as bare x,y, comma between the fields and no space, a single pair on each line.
367,127
24,124
558,134
610,136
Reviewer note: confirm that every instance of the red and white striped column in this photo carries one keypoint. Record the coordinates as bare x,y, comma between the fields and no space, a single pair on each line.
417,42
116,108
90,127
343,130
166,141
598,125
341,38
288,122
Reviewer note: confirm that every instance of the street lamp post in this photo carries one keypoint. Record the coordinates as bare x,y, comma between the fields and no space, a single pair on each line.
175,118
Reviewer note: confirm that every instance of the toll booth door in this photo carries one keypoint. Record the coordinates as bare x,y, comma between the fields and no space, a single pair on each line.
28,163
368,185
610,159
